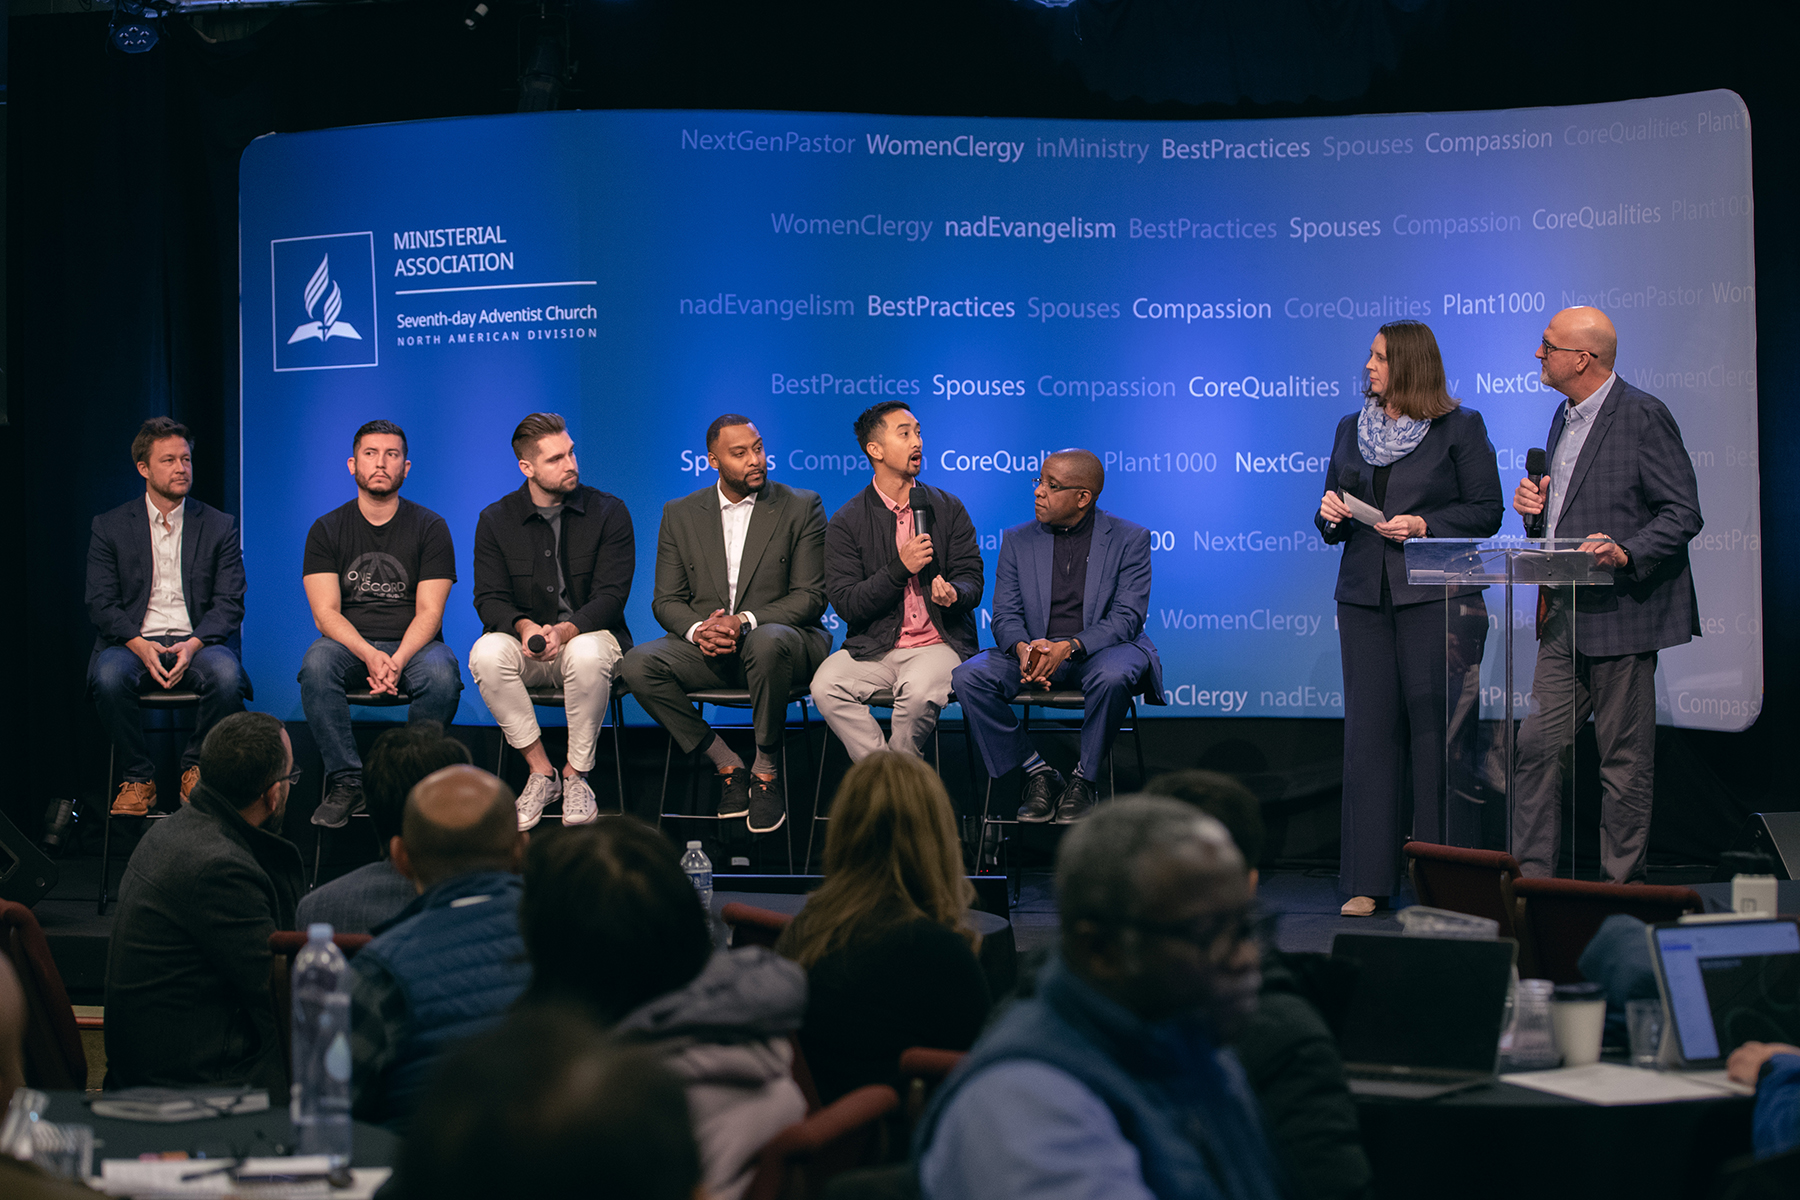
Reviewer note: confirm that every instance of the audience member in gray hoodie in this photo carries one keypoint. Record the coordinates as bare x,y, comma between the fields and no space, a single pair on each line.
612,924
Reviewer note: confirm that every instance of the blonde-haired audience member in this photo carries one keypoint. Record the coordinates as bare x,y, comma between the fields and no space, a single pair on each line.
886,940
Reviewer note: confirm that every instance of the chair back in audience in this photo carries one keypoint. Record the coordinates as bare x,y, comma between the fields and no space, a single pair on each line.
54,1059
922,1068
849,1132
753,926
1561,916
284,944
1477,882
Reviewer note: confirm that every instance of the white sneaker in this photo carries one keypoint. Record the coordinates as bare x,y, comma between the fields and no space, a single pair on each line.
578,801
540,791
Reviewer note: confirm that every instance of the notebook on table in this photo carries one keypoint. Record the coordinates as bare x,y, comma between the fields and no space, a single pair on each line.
1426,1016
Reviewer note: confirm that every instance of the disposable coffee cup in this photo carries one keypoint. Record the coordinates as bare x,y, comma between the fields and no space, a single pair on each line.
1578,1022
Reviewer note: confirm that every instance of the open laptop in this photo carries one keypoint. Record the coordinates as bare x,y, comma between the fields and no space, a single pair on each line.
1725,983
1425,1018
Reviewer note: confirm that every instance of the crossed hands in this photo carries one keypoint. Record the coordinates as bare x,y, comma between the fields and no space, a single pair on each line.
384,673
719,634
1050,658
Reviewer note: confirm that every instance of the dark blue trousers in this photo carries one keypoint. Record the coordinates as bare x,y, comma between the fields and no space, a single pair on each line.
986,685
116,677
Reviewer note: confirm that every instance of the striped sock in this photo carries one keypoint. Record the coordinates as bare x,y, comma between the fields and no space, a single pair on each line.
1035,765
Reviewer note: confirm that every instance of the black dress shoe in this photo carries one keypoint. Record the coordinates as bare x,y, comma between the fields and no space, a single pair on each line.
734,796
1076,800
1041,790
768,805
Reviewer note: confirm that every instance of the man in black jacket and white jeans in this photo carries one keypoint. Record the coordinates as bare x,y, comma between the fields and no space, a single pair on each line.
908,596
552,560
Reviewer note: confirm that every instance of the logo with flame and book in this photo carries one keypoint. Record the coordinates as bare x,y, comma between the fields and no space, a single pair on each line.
324,302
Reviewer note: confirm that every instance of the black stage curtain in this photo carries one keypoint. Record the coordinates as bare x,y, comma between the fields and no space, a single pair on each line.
123,227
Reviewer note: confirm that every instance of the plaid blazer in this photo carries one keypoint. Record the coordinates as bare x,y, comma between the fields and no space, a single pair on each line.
1635,483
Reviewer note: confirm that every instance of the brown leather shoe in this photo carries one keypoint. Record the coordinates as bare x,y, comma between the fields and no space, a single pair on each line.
190,779
134,799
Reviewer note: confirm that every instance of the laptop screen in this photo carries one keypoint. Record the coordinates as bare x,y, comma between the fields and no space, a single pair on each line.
1730,983
1425,1002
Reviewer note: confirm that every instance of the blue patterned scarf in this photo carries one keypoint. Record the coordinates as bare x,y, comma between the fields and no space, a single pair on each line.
1383,439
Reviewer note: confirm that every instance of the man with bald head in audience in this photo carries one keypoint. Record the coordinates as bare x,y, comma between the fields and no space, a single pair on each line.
1113,1078
448,966
1070,597
1619,475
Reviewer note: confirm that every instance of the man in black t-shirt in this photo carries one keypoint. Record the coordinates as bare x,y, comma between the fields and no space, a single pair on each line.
377,573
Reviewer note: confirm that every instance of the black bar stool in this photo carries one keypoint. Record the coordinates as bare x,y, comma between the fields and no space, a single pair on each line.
157,701
362,698
552,697
1063,699
740,698
881,699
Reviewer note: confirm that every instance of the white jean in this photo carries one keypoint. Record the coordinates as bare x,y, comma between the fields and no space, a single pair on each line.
919,679
583,670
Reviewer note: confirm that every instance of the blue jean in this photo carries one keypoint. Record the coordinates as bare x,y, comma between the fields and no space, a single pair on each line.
431,677
986,685
117,677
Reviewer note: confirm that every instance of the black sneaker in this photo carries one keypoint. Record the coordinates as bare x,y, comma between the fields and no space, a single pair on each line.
1041,790
768,805
734,798
1076,800
344,798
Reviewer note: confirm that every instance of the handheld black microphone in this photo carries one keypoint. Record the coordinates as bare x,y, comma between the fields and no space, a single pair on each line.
921,511
535,643
1536,468
1349,482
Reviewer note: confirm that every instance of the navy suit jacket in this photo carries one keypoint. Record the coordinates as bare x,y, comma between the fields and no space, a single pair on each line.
1112,611
1450,479
119,573
1635,483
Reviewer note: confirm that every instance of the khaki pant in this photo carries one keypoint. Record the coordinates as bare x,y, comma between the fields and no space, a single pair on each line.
919,679
583,670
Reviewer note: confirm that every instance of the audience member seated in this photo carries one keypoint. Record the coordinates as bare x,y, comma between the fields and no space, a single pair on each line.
613,925
1773,1069
1618,958
1287,1049
886,941
452,961
1113,1080
21,1180
187,973
362,899
545,1107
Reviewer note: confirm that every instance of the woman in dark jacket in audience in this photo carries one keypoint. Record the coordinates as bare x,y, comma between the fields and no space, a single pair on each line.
886,941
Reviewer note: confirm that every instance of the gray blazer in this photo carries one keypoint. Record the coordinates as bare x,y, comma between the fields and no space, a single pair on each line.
781,577
1635,483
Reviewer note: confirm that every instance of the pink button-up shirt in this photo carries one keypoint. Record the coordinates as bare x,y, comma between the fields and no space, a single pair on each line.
916,628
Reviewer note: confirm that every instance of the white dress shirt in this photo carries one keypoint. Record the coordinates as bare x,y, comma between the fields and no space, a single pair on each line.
735,517
1578,422
167,615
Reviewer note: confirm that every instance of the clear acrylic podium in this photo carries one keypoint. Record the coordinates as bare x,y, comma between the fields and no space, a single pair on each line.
1488,685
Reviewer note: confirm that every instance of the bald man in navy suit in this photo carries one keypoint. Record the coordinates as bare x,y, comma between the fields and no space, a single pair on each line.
1620,474
1070,597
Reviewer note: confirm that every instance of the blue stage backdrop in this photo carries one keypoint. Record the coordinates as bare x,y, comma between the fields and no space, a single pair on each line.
1192,301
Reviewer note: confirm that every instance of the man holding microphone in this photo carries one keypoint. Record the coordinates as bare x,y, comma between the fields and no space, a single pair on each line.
1619,472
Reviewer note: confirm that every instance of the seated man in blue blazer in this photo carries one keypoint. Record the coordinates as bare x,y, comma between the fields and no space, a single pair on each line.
1070,597
165,588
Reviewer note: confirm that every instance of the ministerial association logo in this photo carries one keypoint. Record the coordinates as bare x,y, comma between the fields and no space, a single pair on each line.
324,302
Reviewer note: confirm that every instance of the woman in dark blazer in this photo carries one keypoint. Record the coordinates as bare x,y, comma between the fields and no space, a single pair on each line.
1414,452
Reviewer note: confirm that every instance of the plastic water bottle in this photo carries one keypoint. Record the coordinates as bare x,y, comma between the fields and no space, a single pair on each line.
699,873
319,1101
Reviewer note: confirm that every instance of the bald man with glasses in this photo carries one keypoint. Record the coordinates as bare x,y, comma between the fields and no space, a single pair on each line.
1620,476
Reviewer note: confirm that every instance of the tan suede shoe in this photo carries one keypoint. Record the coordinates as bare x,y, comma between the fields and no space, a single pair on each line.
134,799
190,779
1358,906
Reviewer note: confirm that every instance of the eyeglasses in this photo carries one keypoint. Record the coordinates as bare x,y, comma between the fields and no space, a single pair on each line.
1549,349
293,777
1052,486
1218,934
